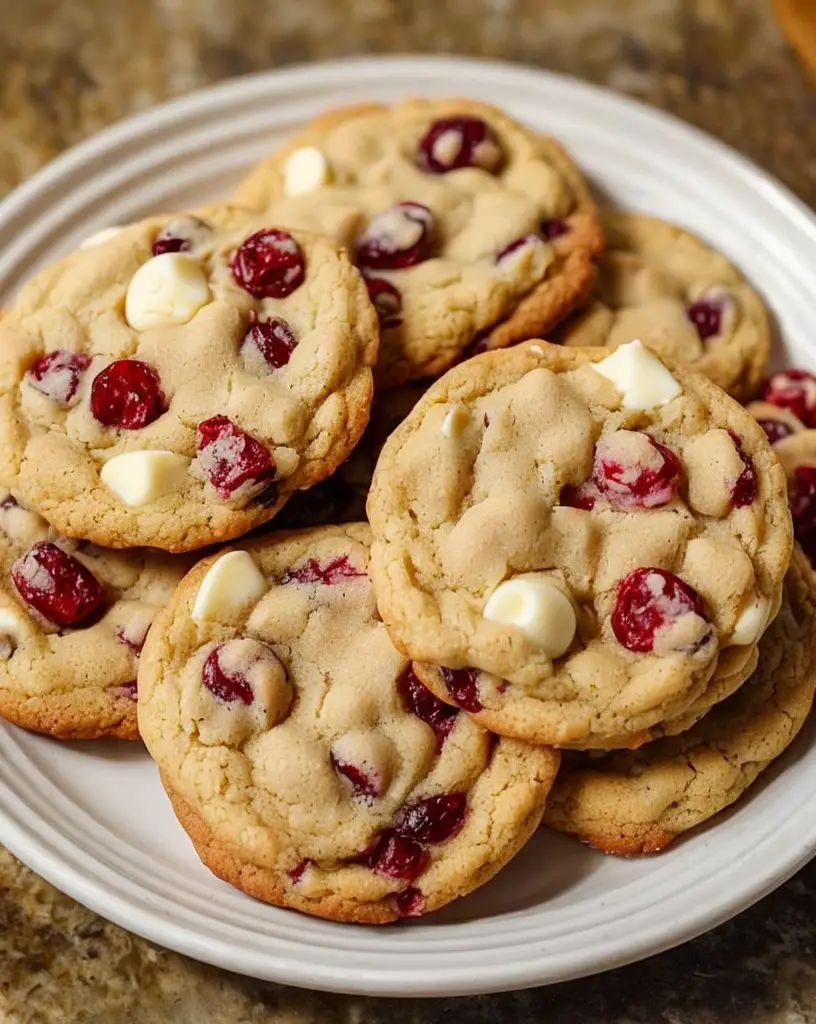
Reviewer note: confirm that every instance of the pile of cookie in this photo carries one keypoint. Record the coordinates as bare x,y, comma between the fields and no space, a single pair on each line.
576,598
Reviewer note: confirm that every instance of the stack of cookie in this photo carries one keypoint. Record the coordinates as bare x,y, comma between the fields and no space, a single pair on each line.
576,546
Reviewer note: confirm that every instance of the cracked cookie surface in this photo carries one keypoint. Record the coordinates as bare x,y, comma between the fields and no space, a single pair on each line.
309,766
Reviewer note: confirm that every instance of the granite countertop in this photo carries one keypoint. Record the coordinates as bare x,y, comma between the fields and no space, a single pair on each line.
68,69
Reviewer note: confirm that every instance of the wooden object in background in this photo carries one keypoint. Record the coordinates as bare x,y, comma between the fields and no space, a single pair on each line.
798,20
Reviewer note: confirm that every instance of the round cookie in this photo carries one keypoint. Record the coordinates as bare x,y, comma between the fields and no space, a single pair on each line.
682,299
172,386
464,223
73,618
308,765
546,535
639,801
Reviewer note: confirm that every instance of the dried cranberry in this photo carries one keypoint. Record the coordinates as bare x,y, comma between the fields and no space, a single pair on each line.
269,264
775,430
57,375
554,228
127,394
649,600
409,903
706,315
180,235
298,871
463,686
230,457
455,142
583,497
420,701
401,236
802,497
386,300
57,585
745,489
434,819
632,470
328,573
362,784
396,857
794,390
274,339
227,686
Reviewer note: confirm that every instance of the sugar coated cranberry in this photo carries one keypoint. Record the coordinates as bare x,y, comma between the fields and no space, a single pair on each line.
328,573
399,237
554,228
421,702
455,142
632,470
229,686
274,339
127,394
745,489
434,819
269,264
362,784
463,686
230,457
583,496
409,903
775,430
395,856
650,601
57,585
706,314
57,375
180,235
794,390
802,497
386,300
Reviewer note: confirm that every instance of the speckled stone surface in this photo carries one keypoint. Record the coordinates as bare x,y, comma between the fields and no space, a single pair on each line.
66,70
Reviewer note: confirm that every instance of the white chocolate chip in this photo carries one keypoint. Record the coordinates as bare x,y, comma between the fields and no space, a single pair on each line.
13,628
305,170
456,421
751,622
141,477
537,350
98,237
536,608
232,584
167,289
643,381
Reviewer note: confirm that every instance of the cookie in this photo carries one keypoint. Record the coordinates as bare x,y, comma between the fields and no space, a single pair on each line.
308,765
545,523
681,298
638,802
73,618
464,223
172,386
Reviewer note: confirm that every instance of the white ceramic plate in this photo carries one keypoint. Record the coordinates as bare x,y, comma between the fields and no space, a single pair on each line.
92,818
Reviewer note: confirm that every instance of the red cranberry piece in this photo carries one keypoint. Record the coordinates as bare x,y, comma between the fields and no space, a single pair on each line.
632,470
434,819
227,686
706,315
57,375
127,394
794,390
420,701
328,573
583,497
399,237
274,339
396,857
269,264
554,228
649,600
775,430
299,870
409,903
386,300
745,489
57,585
180,235
361,783
231,457
802,497
463,686
455,142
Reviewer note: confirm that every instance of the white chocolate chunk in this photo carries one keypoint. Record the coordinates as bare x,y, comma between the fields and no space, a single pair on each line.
751,622
643,381
537,350
13,628
456,421
305,170
233,583
140,477
167,289
98,237
536,608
